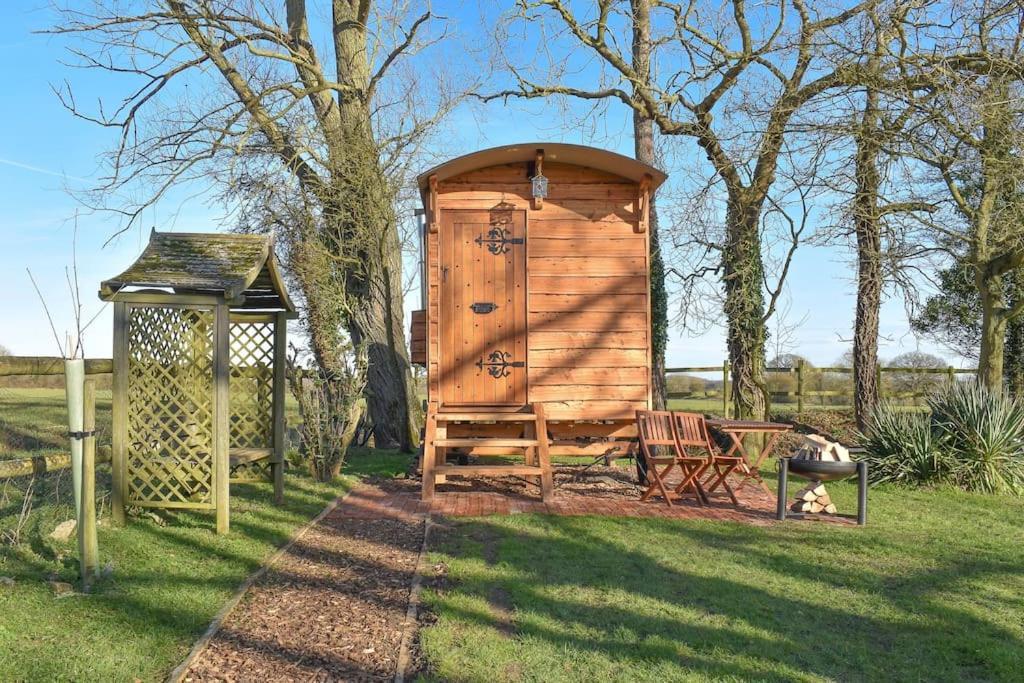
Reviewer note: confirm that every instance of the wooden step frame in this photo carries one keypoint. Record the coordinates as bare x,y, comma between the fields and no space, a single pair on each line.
534,443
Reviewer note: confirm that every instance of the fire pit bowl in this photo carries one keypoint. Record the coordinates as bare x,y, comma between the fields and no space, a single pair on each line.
822,470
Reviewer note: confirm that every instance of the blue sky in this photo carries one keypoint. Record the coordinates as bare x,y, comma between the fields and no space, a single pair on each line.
43,150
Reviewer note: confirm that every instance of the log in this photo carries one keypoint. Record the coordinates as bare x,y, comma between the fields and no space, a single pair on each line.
43,365
830,509
40,464
816,508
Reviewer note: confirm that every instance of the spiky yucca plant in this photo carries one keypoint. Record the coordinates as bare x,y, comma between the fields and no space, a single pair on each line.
973,439
902,448
984,437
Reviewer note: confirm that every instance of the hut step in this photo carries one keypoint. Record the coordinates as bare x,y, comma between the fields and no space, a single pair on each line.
471,442
486,417
489,470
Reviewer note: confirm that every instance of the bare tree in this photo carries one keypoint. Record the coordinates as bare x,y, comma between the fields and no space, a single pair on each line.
880,202
644,151
732,89
969,134
237,95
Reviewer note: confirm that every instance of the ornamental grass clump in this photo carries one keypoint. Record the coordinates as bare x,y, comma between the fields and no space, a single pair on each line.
972,439
902,447
984,437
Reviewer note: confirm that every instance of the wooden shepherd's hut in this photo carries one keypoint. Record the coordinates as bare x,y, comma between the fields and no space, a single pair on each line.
537,311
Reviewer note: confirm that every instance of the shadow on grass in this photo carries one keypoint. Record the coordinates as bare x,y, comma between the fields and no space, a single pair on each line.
634,599
168,580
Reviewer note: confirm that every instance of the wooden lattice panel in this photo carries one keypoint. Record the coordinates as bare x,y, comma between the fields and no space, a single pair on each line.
169,459
252,384
258,470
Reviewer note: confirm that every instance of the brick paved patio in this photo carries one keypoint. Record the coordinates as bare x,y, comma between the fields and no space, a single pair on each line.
401,499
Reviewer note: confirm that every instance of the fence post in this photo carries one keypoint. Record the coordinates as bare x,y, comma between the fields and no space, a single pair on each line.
800,386
88,547
952,375
726,392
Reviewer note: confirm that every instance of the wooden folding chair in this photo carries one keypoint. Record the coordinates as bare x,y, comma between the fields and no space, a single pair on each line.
691,432
655,430
720,465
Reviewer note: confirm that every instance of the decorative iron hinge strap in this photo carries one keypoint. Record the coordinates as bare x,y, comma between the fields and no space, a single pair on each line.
498,240
498,364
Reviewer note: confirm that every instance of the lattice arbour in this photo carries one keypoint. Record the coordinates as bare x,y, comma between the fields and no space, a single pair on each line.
200,324
169,460
252,393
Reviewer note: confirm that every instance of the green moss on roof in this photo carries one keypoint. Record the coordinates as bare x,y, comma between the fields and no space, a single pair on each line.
202,262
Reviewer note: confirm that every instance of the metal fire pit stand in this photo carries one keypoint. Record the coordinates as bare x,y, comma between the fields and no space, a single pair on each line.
862,490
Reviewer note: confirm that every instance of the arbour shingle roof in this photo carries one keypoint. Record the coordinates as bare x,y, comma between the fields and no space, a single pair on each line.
207,263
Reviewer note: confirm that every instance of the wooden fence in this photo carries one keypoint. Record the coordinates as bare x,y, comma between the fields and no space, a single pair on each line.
801,392
15,366
43,365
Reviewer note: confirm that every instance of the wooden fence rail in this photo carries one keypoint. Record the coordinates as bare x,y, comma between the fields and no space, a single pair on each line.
41,464
802,392
11,366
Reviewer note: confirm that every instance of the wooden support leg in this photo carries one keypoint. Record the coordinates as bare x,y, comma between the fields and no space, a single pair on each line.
277,474
119,399
530,454
429,455
87,545
280,423
440,453
221,419
547,484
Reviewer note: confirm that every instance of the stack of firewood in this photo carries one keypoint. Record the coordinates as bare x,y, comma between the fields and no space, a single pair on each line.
814,498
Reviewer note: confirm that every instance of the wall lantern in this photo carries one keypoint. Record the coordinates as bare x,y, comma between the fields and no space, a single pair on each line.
539,184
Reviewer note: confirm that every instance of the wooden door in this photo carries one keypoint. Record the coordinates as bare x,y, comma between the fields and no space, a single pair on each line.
483,307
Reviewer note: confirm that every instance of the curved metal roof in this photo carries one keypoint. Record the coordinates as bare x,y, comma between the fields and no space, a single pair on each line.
209,263
559,152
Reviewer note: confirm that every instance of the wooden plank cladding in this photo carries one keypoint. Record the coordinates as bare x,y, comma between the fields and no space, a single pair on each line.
585,352
418,338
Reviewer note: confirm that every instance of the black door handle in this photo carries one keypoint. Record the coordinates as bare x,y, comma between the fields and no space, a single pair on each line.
483,307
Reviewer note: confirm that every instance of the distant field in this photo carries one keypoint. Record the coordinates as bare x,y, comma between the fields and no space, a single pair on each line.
35,420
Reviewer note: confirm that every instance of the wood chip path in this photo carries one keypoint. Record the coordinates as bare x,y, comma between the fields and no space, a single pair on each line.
334,605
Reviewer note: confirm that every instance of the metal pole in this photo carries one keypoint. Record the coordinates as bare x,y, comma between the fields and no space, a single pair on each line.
862,493
780,503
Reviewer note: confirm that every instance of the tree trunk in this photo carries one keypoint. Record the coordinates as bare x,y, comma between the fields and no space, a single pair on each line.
867,223
390,392
1013,355
366,212
743,277
865,334
659,316
993,336
643,145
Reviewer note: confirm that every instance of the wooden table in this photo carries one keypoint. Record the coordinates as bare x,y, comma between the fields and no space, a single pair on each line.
737,431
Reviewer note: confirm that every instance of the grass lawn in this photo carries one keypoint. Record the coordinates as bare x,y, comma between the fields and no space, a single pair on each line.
932,589
167,584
